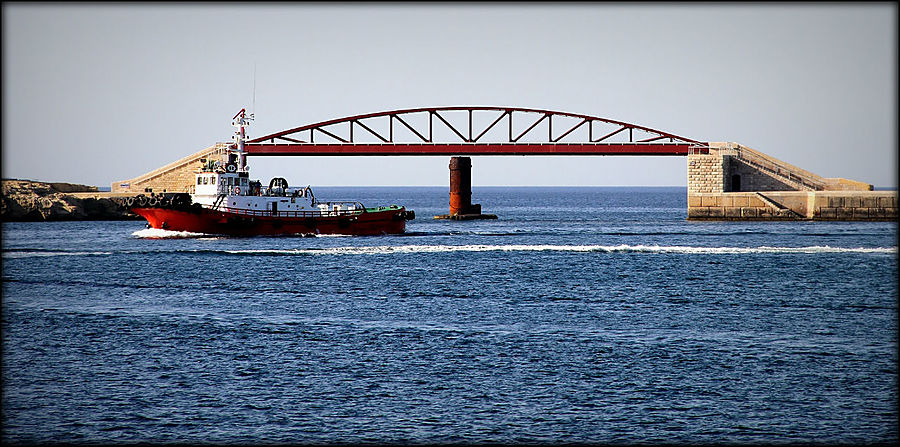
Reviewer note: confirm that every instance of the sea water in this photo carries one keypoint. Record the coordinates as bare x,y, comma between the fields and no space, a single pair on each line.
595,315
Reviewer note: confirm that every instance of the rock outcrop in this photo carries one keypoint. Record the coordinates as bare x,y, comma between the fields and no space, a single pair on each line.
27,200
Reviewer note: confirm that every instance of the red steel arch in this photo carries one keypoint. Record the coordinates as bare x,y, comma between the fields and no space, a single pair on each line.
341,135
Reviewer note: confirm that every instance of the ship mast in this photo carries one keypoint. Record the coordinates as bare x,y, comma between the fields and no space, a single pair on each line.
240,122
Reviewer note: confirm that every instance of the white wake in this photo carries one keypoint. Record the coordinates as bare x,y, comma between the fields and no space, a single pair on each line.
403,249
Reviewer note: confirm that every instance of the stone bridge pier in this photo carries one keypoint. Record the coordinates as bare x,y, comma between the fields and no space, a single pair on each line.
734,182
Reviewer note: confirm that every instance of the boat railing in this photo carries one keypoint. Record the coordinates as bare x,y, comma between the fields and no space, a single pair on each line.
311,213
341,203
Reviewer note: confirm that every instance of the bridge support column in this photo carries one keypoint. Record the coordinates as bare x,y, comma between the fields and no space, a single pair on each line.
461,207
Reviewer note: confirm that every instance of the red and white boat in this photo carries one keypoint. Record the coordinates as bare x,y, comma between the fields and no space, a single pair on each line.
225,201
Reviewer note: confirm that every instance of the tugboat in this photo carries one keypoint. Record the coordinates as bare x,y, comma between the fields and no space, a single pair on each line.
225,201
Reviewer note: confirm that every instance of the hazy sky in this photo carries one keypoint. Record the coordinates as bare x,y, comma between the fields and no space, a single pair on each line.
95,93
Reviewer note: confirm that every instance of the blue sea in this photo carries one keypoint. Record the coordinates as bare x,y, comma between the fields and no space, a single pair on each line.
581,315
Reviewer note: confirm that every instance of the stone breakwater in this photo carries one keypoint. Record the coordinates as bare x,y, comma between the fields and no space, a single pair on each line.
794,205
27,200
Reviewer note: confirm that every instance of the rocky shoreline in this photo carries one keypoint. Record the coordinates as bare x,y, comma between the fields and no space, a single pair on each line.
33,201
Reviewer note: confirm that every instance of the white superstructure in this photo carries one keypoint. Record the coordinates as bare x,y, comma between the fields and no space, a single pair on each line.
226,186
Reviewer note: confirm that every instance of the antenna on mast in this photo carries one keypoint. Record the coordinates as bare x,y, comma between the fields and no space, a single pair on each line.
253,101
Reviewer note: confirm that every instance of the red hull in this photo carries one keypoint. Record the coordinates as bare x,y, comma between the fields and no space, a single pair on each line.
204,220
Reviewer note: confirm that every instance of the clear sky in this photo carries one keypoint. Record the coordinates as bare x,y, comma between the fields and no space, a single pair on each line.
94,93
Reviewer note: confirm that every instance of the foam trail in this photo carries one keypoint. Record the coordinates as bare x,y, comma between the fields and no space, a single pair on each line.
404,249
156,233
419,249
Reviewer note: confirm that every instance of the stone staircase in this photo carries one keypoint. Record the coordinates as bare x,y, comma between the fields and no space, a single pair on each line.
800,179
177,176
780,210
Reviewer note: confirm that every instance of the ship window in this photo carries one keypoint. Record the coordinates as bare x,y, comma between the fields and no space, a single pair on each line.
244,181
199,179
205,180
212,180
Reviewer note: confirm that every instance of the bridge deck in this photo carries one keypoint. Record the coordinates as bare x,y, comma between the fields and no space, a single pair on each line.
451,149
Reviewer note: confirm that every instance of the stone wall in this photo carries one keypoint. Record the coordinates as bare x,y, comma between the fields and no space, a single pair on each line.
177,176
729,167
855,205
794,205
752,178
746,169
842,184
706,173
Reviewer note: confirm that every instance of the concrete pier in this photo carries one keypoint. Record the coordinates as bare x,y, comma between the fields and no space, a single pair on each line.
461,206
461,187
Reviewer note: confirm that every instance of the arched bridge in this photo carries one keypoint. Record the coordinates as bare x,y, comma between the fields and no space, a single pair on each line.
724,179
463,130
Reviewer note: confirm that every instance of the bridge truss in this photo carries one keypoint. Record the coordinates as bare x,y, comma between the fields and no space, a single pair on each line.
461,130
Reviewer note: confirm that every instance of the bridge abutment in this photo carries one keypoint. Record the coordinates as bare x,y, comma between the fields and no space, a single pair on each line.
734,182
